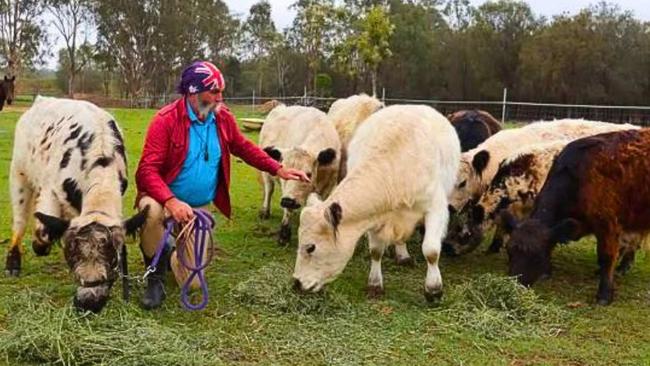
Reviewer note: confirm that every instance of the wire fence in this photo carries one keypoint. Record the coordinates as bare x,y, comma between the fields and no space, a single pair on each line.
507,111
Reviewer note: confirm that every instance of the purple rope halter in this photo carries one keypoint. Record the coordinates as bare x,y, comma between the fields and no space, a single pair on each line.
203,225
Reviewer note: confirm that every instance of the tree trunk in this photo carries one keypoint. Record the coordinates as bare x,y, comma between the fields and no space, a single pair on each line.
71,85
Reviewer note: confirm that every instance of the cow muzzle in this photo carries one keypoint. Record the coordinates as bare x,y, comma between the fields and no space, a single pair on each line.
92,298
289,203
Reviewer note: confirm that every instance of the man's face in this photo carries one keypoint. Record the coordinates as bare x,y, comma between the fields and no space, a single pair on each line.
205,102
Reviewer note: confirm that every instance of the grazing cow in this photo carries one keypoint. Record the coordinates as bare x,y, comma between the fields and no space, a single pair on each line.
598,185
69,167
402,166
479,166
347,115
301,138
7,91
514,188
473,127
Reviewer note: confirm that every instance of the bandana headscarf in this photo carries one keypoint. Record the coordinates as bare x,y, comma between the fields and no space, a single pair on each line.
200,76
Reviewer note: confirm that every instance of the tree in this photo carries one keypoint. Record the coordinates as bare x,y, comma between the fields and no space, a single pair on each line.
374,41
260,37
70,16
21,33
314,32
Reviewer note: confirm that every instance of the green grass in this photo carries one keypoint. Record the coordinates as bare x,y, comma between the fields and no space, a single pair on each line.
254,318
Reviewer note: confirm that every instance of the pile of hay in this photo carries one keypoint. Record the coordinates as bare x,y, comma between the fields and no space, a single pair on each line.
40,332
498,307
269,288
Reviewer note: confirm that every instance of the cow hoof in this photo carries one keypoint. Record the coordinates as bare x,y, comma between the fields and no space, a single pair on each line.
604,302
41,250
433,298
374,292
284,237
12,272
623,269
264,215
405,261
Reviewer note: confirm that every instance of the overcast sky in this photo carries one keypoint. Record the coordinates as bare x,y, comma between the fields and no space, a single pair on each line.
283,16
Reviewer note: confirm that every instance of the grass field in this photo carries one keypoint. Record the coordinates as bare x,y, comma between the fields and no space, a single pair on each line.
253,318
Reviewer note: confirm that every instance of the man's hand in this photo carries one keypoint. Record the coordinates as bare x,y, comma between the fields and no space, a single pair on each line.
293,174
179,210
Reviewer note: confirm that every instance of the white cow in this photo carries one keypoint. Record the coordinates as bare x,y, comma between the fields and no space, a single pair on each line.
69,167
402,167
347,115
301,138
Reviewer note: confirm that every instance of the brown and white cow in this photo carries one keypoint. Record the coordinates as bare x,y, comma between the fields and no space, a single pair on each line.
597,185
347,115
402,166
302,138
69,167
479,166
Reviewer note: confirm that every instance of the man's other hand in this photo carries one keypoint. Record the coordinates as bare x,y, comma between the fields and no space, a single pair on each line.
179,210
293,174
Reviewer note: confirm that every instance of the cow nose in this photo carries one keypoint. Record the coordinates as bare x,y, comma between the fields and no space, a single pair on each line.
289,203
297,286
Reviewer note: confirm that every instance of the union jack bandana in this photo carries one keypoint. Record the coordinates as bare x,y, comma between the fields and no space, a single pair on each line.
200,76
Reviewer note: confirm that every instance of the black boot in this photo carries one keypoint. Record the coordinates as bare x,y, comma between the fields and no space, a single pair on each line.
154,294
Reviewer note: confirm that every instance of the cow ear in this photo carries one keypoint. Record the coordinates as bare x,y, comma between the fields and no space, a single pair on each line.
566,231
508,221
334,214
326,156
6,78
133,224
13,78
480,161
274,153
54,226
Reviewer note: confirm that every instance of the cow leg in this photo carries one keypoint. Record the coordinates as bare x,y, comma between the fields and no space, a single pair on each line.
435,222
629,243
284,237
48,204
375,288
21,198
269,185
607,255
402,256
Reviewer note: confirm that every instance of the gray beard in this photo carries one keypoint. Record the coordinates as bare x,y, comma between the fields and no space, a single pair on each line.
204,110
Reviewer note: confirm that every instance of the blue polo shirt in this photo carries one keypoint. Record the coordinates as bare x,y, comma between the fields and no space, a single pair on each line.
196,184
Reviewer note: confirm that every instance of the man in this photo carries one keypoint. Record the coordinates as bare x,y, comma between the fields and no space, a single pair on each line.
185,164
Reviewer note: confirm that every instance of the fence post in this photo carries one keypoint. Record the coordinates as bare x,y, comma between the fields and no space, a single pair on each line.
304,96
383,95
253,105
505,103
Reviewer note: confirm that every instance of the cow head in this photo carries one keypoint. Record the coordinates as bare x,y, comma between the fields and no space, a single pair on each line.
294,193
7,91
531,243
92,251
325,246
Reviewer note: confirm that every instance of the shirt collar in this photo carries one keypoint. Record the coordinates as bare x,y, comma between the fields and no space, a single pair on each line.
192,115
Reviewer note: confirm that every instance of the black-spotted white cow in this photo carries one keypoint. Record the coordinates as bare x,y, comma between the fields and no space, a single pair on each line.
69,167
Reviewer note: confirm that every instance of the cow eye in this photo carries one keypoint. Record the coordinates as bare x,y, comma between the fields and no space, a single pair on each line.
309,175
310,248
462,184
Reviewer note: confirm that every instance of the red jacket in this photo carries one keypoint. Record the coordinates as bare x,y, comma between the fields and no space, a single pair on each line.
166,145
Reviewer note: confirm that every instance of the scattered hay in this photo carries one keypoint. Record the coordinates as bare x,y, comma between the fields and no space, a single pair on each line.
39,332
270,288
499,307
